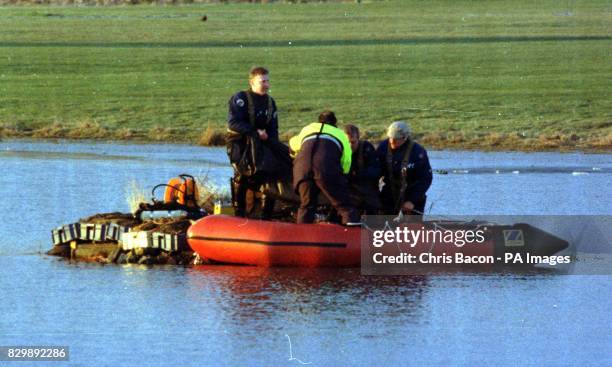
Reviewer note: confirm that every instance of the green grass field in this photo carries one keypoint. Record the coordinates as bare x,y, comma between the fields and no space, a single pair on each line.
471,74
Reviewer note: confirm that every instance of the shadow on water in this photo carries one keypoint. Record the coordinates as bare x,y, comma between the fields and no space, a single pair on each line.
313,43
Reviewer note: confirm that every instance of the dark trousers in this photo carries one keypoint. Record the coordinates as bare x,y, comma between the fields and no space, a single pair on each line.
365,198
336,193
240,187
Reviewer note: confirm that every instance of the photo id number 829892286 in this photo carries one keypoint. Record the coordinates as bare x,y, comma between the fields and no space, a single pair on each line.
34,353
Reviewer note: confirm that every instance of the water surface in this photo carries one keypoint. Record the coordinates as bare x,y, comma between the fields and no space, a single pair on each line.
224,315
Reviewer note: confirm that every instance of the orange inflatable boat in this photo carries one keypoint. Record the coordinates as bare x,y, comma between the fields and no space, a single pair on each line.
236,240
233,240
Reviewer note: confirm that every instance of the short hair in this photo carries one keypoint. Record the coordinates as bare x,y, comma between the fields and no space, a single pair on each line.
399,130
351,130
328,117
257,70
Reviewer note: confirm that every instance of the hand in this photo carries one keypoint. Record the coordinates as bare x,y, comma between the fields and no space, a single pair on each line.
407,207
263,135
381,184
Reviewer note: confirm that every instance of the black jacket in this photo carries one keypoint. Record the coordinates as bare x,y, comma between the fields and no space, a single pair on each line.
365,168
247,153
417,173
363,178
238,119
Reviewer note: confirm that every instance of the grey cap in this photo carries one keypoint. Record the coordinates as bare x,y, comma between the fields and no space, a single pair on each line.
398,130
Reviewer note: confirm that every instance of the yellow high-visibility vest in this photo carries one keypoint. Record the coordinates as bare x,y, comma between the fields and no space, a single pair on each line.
328,132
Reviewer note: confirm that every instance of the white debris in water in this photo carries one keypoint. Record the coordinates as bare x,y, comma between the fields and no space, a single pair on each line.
579,173
497,171
596,169
516,172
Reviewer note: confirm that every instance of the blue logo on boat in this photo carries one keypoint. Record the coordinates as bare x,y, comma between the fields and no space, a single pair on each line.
513,237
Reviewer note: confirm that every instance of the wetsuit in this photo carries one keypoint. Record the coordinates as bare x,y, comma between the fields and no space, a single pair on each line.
407,176
363,178
249,112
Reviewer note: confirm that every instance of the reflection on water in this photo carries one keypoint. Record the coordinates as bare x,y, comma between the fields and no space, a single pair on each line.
252,293
222,315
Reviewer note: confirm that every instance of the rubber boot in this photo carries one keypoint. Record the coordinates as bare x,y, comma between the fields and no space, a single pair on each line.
267,207
239,190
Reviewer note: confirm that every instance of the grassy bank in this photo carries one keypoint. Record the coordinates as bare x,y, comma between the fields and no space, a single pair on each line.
478,75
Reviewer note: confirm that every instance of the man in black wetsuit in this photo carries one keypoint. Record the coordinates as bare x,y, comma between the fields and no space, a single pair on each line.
364,174
406,172
252,120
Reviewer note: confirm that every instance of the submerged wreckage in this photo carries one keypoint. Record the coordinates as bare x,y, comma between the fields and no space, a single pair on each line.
154,234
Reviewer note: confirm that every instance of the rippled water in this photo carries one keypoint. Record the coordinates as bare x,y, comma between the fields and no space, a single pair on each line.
213,315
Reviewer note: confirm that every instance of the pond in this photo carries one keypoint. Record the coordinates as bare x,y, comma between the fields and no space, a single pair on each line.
225,315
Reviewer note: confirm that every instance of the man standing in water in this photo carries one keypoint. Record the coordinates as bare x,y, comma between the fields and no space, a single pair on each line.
252,116
406,172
